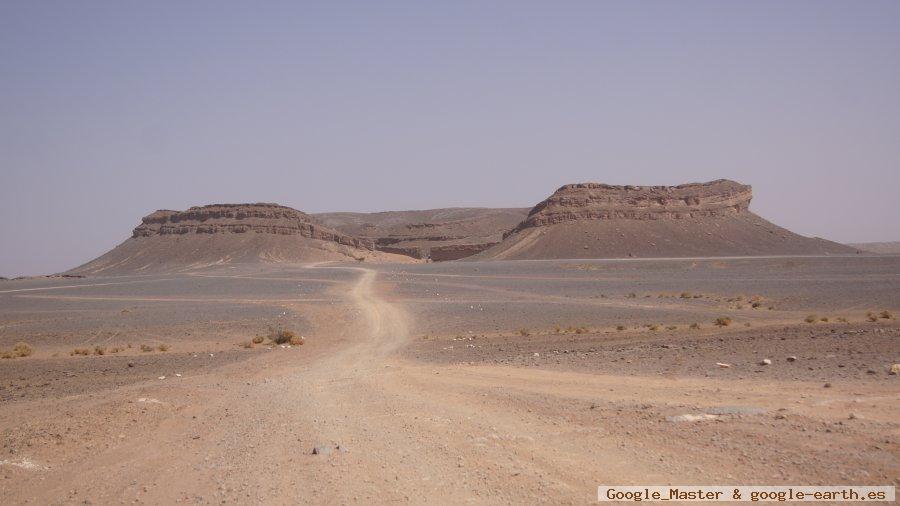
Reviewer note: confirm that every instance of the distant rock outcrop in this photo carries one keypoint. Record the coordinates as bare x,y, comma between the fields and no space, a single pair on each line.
227,234
435,234
242,218
881,248
591,220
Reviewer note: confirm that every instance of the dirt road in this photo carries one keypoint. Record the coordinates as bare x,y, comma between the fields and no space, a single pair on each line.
389,430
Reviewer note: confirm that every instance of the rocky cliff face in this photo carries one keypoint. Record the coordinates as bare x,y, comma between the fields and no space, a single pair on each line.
240,219
593,201
591,220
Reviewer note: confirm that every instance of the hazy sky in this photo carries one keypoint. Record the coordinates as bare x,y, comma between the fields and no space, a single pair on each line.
109,111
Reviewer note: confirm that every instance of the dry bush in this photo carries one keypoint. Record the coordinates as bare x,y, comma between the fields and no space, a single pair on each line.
258,339
824,319
620,327
99,350
22,350
695,326
686,295
80,351
146,348
115,349
653,327
280,336
842,319
811,319
524,332
631,296
581,330
297,341
163,347
672,327
887,315
6,354
723,321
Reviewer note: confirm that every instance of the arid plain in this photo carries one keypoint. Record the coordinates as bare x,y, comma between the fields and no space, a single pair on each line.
488,382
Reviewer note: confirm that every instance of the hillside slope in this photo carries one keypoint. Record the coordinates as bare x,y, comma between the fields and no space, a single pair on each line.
603,221
226,234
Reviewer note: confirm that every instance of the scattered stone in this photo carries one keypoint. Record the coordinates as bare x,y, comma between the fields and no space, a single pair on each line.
827,385
321,450
723,365
853,416
130,364
895,369
792,358
766,361
162,377
735,410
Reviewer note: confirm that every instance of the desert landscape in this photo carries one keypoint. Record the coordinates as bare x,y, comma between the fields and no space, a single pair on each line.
253,353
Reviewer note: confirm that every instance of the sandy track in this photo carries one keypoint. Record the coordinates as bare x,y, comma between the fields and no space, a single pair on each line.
435,434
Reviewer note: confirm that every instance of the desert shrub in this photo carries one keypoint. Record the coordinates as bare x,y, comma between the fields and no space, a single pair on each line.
524,332
671,327
653,327
842,319
824,319
872,317
80,351
115,349
723,321
631,295
297,341
22,350
620,327
886,315
581,330
811,319
258,339
99,350
756,304
6,354
163,347
280,336
557,330
686,295
146,348
695,326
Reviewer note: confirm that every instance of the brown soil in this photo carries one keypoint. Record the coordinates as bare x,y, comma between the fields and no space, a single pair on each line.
399,418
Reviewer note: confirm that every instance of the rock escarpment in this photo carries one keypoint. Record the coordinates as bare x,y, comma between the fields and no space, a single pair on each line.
242,218
593,201
591,220
230,234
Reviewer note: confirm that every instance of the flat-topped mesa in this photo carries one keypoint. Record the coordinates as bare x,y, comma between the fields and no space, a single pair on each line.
259,218
594,201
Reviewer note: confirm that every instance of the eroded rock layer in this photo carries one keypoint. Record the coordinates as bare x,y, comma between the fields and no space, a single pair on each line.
591,220
242,218
435,234
593,201
219,234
